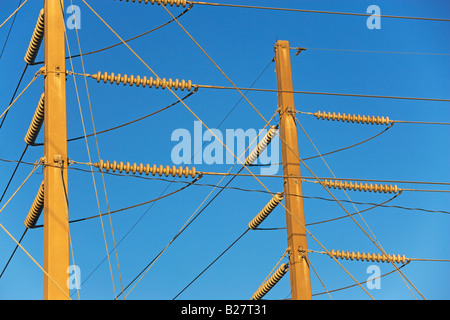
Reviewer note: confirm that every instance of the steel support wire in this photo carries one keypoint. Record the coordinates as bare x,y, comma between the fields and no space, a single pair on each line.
177,235
192,218
128,40
174,180
203,122
215,64
214,261
190,110
14,94
10,29
283,142
14,12
14,172
314,11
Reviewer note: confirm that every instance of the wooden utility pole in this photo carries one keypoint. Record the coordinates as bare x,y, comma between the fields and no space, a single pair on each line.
56,225
295,218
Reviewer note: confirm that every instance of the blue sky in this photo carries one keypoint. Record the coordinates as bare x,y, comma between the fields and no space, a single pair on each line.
241,42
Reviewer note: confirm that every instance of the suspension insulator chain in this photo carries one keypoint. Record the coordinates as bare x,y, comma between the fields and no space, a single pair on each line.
177,3
360,186
36,122
36,40
36,208
352,118
370,257
262,215
262,145
144,81
147,169
271,282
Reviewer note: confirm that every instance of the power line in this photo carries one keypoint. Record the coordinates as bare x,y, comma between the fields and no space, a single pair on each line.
10,29
260,190
264,191
120,43
200,119
327,178
14,172
301,49
421,122
127,123
98,153
14,94
132,206
13,253
406,259
204,86
305,179
214,261
174,180
192,218
348,118
12,14
315,11
300,161
177,235
354,285
324,93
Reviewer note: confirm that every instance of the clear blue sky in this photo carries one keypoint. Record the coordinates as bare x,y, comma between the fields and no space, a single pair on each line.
241,42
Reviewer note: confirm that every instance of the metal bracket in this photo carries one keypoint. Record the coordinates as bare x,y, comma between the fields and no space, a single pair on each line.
42,71
299,50
302,253
58,160
289,110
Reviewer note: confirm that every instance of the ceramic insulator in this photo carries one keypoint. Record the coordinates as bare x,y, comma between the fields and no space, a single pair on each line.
36,208
36,122
367,256
265,211
144,81
360,186
147,169
36,40
262,145
162,2
352,118
271,282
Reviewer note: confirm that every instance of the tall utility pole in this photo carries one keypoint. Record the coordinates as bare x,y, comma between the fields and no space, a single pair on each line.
295,218
56,225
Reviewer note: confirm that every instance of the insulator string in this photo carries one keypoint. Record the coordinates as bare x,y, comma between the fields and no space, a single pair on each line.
36,208
177,3
128,40
147,169
144,81
369,257
271,282
264,213
36,40
36,122
360,186
262,145
351,118
127,123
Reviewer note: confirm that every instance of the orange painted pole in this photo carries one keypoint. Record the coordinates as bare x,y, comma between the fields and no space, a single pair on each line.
295,218
56,225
